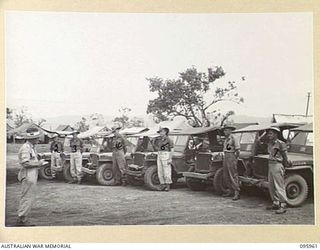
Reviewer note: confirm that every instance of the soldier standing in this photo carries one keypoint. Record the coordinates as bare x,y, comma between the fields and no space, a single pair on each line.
56,149
277,160
119,144
164,146
76,146
231,149
28,175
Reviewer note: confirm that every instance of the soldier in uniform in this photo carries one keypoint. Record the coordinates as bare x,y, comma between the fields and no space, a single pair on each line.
119,148
277,160
231,149
28,175
56,149
164,146
76,146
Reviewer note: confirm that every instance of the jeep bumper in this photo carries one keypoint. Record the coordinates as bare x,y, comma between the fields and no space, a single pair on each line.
196,175
134,170
249,181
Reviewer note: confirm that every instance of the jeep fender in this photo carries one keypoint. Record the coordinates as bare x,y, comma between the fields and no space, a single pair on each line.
293,168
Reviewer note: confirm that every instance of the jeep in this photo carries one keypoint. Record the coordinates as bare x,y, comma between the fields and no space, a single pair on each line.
143,170
253,160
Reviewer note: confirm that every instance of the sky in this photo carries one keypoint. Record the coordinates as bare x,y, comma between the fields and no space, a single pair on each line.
69,63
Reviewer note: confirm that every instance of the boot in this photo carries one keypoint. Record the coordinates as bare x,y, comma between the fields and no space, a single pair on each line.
22,222
124,183
236,196
161,187
282,209
72,182
167,188
117,183
273,207
79,182
227,194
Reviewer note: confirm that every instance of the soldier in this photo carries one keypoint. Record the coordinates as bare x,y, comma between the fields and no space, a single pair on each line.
56,149
277,160
231,149
76,146
164,146
119,148
28,175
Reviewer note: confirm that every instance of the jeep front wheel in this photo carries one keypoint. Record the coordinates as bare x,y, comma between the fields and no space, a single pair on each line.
105,175
296,189
151,179
45,172
195,185
219,183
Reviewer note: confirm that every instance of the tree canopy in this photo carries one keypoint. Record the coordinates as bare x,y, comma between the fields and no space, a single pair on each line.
185,96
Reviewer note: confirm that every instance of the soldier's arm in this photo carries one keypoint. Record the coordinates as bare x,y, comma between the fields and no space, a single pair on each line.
26,161
236,147
51,147
62,147
81,146
283,151
171,150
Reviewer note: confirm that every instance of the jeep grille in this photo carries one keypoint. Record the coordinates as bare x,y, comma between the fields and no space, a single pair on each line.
138,159
260,168
203,162
94,159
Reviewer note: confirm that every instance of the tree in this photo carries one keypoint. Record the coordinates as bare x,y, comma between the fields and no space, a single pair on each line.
187,96
96,119
136,122
21,116
123,119
82,125
41,121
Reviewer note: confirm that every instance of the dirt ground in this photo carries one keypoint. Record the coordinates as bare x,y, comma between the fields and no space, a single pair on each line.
62,204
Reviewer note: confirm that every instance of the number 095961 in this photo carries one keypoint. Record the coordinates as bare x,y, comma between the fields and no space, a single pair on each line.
308,246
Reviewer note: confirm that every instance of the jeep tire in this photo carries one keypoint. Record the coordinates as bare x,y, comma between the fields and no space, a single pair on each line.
45,172
297,189
218,182
151,179
195,184
105,175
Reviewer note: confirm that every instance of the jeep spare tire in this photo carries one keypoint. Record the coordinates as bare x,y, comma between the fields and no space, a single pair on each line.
45,172
151,179
195,185
297,189
219,183
105,175
66,172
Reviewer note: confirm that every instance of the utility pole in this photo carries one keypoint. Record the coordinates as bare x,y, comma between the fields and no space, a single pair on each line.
307,108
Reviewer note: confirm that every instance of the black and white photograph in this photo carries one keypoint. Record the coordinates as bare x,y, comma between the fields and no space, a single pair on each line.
158,118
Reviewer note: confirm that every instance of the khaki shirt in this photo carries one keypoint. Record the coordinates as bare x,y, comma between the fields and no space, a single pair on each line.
28,160
119,143
56,147
76,145
276,149
164,144
230,144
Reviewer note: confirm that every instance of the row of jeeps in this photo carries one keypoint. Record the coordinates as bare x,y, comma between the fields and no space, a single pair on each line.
198,157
